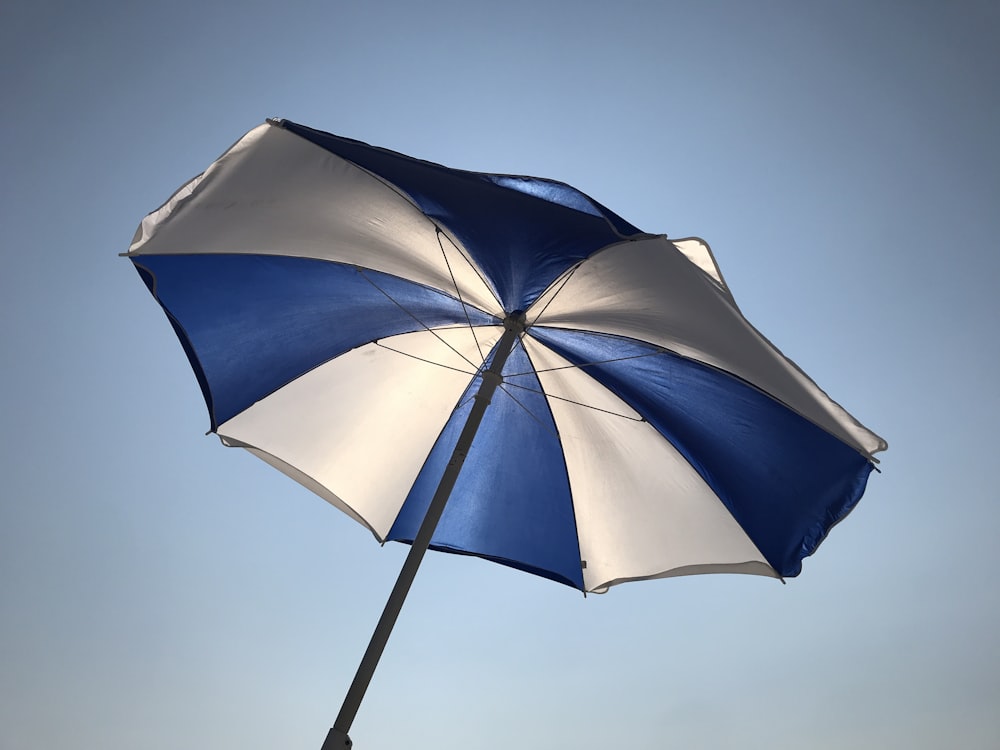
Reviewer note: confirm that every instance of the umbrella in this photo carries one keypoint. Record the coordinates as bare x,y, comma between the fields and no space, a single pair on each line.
492,365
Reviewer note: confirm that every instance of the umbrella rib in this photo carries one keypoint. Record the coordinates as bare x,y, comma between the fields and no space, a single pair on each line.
546,394
423,325
530,413
566,400
591,364
427,361
562,283
467,259
458,292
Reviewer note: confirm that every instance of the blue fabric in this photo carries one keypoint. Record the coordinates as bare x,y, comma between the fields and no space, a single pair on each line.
512,502
522,232
252,323
785,480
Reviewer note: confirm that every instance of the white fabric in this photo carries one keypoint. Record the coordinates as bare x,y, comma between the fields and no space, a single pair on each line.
275,193
698,252
641,509
648,290
361,425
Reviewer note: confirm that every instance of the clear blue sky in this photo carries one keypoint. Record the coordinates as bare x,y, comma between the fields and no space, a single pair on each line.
160,591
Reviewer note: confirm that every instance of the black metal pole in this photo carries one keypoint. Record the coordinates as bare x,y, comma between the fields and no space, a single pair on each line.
337,738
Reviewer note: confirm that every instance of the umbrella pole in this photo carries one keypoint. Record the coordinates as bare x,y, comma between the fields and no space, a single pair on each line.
337,738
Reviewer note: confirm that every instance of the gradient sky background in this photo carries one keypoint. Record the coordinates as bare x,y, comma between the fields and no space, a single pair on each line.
160,591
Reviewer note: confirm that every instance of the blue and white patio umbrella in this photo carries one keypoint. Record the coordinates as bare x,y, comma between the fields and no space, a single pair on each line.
347,308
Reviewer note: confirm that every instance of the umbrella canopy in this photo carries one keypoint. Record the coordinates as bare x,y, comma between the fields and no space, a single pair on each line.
341,303
492,365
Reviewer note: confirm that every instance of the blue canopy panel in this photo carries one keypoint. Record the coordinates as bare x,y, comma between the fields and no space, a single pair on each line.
785,480
511,503
522,232
253,323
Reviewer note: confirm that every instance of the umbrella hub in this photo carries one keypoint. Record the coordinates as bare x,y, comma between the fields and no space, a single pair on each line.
514,325
515,321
